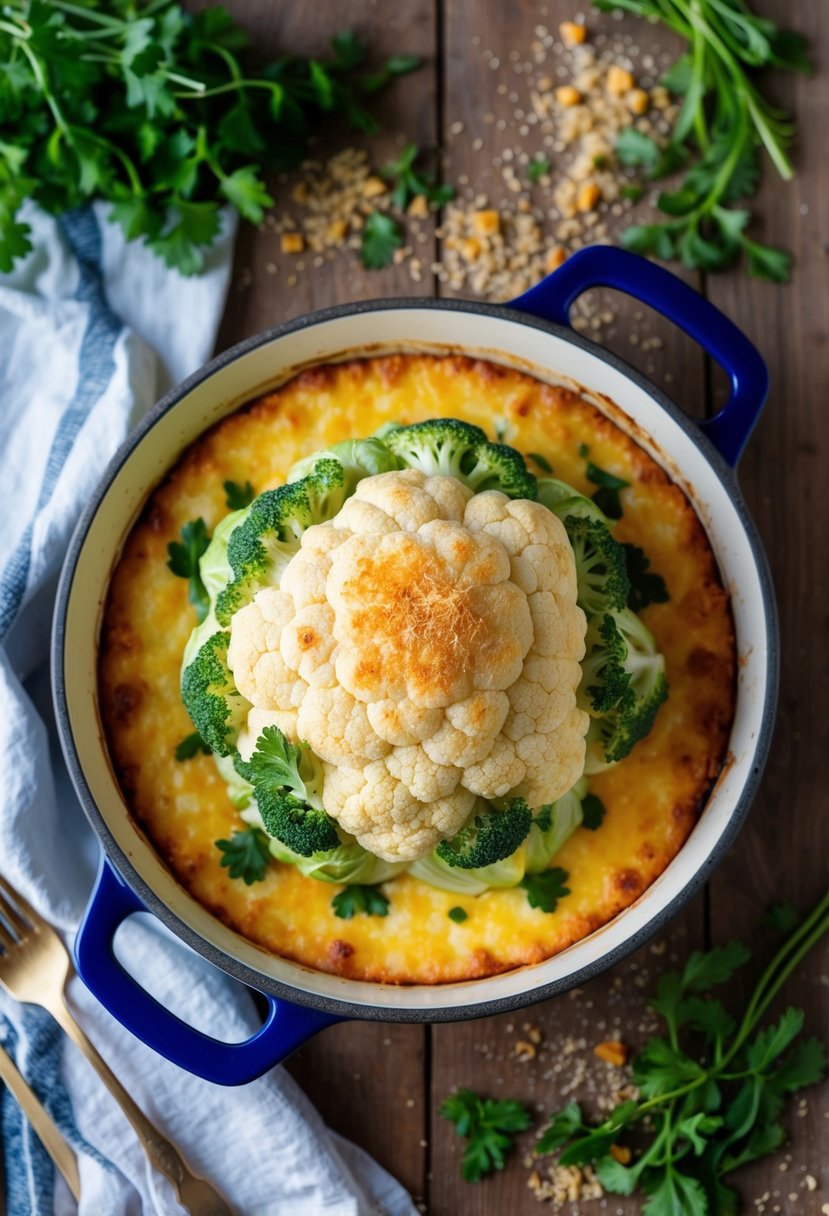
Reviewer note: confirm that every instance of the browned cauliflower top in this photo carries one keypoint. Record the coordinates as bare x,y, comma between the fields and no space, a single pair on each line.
425,643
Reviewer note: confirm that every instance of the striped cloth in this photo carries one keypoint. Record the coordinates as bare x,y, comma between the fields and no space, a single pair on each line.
92,331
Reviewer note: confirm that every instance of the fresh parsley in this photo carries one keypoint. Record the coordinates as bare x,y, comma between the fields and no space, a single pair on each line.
238,496
153,109
593,812
723,124
190,746
541,461
782,917
458,915
488,1127
381,237
544,890
407,182
606,497
245,855
711,1090
183,560
538,167
646,586
360,900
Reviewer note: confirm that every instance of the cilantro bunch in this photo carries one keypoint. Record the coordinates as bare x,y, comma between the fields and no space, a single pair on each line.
712,1088
723,124
153,109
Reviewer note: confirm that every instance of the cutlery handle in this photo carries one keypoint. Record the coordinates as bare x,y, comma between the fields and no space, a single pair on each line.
48,1133
194,1193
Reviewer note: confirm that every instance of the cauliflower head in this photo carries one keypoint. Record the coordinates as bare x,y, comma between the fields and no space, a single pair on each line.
425,643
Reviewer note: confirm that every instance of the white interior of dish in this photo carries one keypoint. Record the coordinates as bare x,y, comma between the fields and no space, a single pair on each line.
511,342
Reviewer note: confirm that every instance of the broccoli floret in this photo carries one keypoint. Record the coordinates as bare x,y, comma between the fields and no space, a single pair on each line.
449,448
601,569
615,731
266,540
488,837
359,457
287,784
211,697
604,679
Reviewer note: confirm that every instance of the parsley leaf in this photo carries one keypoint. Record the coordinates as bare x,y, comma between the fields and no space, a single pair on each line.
190,746
489,1128
646,586
238,496
541,461
562,1126
593,812
245,855
360,900
183,560
458,915
407,183
606,497
544,890
381,236
538,167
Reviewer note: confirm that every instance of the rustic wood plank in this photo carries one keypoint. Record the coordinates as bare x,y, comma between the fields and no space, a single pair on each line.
366,1079
783,849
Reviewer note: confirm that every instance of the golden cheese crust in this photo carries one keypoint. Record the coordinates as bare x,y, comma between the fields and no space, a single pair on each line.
652,798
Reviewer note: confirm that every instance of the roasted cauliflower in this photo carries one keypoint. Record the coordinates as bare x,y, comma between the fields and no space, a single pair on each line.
425,643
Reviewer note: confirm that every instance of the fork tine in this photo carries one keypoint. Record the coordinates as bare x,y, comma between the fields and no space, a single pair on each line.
7,906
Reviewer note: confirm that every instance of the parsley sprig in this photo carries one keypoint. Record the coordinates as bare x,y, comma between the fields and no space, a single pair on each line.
246,855
489,1128
722,125
151,108
407,182
183,560
360,900
705,1114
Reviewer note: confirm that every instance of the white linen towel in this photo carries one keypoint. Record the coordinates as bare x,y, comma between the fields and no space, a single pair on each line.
92,332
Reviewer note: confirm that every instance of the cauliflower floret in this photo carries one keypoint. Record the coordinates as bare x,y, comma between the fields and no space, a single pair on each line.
426,644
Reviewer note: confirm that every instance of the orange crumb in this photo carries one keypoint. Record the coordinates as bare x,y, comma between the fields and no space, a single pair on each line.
612,1052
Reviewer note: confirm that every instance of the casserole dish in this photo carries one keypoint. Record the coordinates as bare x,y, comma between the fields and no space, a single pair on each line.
532,334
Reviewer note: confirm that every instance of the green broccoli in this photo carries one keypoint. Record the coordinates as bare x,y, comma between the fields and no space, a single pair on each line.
615,730
488,837
601,570
265,541
604,679
287,783
218,709
359,457
449,448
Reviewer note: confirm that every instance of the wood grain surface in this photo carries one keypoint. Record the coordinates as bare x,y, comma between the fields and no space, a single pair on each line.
382,1085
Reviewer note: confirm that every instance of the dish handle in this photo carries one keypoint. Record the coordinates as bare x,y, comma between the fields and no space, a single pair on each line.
604,266
285,1028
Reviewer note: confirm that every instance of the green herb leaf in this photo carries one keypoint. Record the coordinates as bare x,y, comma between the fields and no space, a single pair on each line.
646,586
183,560
190,746
764,262
616,1178
381,236
544,890
593,812
805,1065
238,496
635,148
562,1126
245,855
606,497
538,167
360,900
704,971
246,191
489,1128
768,1044
407,183
458,915
541,461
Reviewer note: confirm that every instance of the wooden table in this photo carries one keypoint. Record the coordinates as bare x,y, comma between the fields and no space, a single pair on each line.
382,1085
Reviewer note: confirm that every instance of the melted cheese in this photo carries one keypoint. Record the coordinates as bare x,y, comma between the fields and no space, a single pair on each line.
652,798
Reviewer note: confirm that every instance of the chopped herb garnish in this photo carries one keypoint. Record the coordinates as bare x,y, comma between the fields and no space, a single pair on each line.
782,917
593,812
407,183
606,497
583,451
544,890
458,915
238,496
541,461
360,900
183,560
646,586
190,746
246,855
488,1127
381,237
538,167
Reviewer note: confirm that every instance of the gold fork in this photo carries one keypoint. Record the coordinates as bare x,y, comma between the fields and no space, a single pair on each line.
35,968
40,1119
